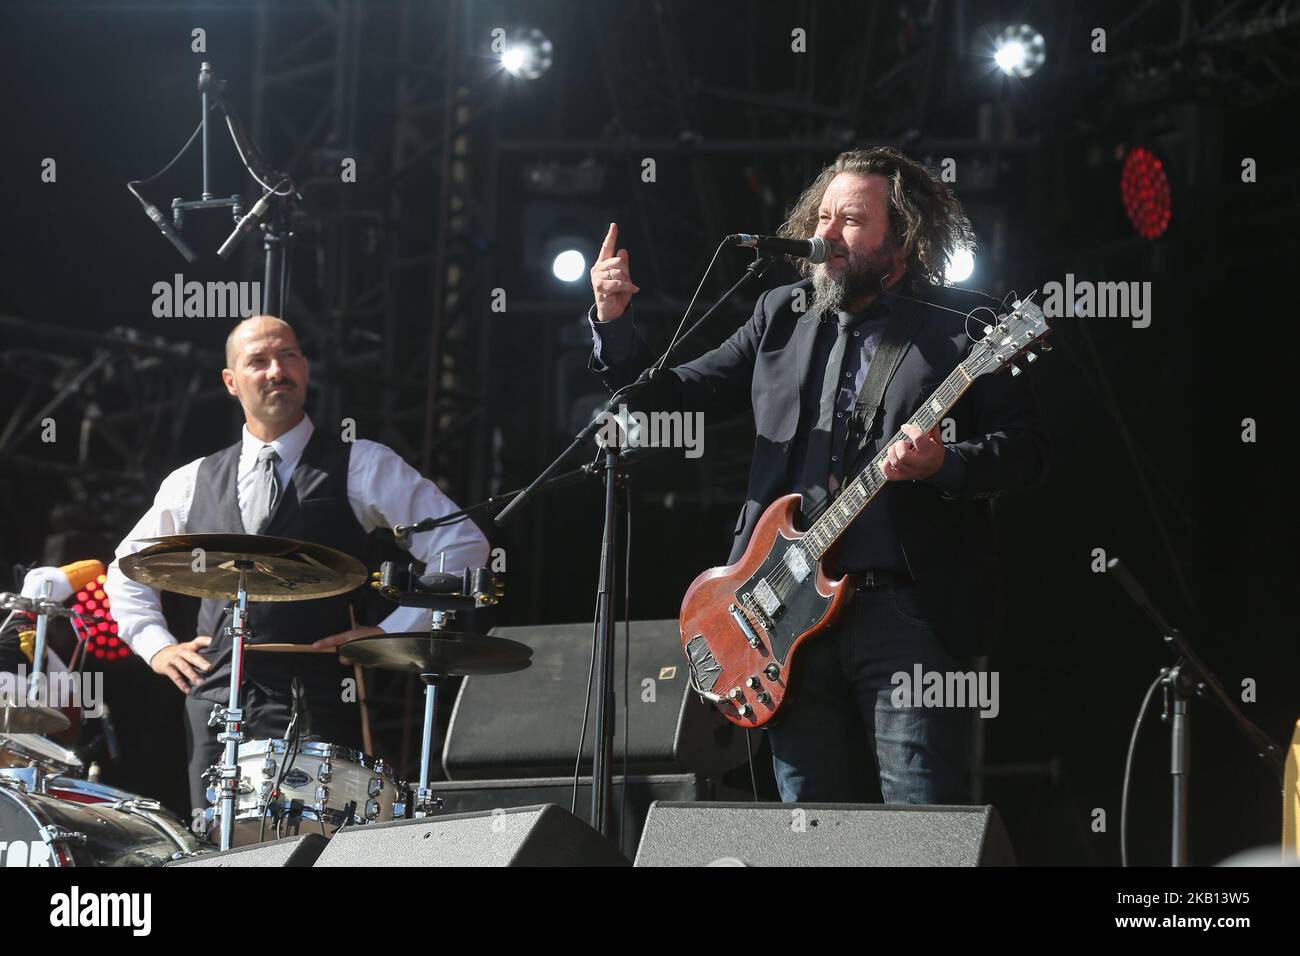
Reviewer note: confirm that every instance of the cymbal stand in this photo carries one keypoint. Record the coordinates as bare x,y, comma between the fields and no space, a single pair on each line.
425,802
231,714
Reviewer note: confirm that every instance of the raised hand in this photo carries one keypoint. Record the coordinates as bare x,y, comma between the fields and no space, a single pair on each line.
611,279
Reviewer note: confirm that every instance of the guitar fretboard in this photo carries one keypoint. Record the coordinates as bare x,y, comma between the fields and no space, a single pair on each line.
857,494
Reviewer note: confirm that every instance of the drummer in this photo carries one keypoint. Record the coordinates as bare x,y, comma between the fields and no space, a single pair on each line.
284,478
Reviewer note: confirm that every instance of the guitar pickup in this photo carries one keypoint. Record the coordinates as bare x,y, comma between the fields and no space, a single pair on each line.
767,599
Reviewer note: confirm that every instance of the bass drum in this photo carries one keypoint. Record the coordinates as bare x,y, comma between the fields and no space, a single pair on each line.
37,829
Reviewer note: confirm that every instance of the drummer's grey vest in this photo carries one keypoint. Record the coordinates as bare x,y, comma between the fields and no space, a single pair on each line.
314,507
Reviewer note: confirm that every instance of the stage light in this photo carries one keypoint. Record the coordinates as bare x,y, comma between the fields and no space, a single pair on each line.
1144,188
528,54
961,265
1019,50
569,265
101,638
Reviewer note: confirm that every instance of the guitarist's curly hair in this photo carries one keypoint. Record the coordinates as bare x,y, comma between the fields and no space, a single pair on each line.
927,220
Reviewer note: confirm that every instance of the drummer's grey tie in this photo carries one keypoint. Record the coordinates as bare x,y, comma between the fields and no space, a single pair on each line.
264,495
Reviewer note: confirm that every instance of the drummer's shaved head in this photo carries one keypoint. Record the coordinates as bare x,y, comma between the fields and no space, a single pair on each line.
252,326
267,372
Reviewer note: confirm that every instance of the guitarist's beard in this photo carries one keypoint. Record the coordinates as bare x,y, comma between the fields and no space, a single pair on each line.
863,274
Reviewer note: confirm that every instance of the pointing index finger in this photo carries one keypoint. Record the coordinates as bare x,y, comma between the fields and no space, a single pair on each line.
611,241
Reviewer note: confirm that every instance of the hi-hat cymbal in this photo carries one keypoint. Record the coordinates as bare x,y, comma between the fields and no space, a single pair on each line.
31,719
449,653
278,569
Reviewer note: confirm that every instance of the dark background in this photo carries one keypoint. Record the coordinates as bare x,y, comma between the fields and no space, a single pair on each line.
465,174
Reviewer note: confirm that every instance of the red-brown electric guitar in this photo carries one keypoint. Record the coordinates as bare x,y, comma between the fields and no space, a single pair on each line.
742,624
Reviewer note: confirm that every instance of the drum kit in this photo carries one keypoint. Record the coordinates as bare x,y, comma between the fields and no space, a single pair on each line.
52,815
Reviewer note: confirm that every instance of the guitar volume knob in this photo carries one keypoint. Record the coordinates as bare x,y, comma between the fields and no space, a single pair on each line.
753,682
745,711
736,694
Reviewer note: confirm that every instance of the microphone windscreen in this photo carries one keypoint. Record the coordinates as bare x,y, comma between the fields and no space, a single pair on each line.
81,573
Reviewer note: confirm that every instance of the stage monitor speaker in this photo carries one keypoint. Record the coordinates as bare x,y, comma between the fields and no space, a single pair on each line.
627,812
291,851
821,834
525,836
527,724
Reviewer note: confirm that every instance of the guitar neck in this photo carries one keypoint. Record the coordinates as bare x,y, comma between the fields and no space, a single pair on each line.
859,492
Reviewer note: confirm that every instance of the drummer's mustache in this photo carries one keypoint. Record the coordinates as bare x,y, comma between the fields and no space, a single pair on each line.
280,381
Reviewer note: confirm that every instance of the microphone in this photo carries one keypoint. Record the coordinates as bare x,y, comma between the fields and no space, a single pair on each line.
165,227
110,736
81,573
251,219
815,249
300,716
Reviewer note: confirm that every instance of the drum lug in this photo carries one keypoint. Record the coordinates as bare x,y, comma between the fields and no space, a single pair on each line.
375,787
324,772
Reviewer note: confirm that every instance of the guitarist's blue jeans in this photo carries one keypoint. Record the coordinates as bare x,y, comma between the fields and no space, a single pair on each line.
840,731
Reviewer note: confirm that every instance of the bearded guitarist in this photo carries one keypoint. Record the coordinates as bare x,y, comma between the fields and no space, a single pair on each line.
922,552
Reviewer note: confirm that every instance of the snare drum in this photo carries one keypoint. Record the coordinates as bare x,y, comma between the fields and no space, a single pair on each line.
328,784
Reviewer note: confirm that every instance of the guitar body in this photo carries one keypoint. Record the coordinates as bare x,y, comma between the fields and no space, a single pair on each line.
739,636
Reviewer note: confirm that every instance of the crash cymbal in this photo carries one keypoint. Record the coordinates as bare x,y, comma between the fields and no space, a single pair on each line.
279,569
440,652
290,649
29,719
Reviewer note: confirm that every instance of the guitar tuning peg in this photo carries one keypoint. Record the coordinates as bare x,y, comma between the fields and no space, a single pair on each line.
1031,356
988,330
1015,370
1045,346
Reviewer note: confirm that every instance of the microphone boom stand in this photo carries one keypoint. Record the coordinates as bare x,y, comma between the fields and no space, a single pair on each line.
1189,676
601,778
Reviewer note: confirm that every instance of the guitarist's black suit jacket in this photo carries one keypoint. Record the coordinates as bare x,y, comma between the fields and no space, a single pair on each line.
947,539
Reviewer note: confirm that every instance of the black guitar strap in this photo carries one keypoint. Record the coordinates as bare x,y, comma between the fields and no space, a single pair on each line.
899,330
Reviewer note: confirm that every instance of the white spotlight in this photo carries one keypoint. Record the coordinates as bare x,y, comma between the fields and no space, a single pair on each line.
1019,50
961,265
528,54
569,265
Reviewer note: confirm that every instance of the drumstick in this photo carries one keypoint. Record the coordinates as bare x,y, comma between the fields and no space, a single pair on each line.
360,675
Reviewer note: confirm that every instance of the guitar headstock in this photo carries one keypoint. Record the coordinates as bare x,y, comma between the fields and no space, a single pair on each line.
1018,333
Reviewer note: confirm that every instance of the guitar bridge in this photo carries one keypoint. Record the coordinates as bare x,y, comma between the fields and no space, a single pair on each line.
749,604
